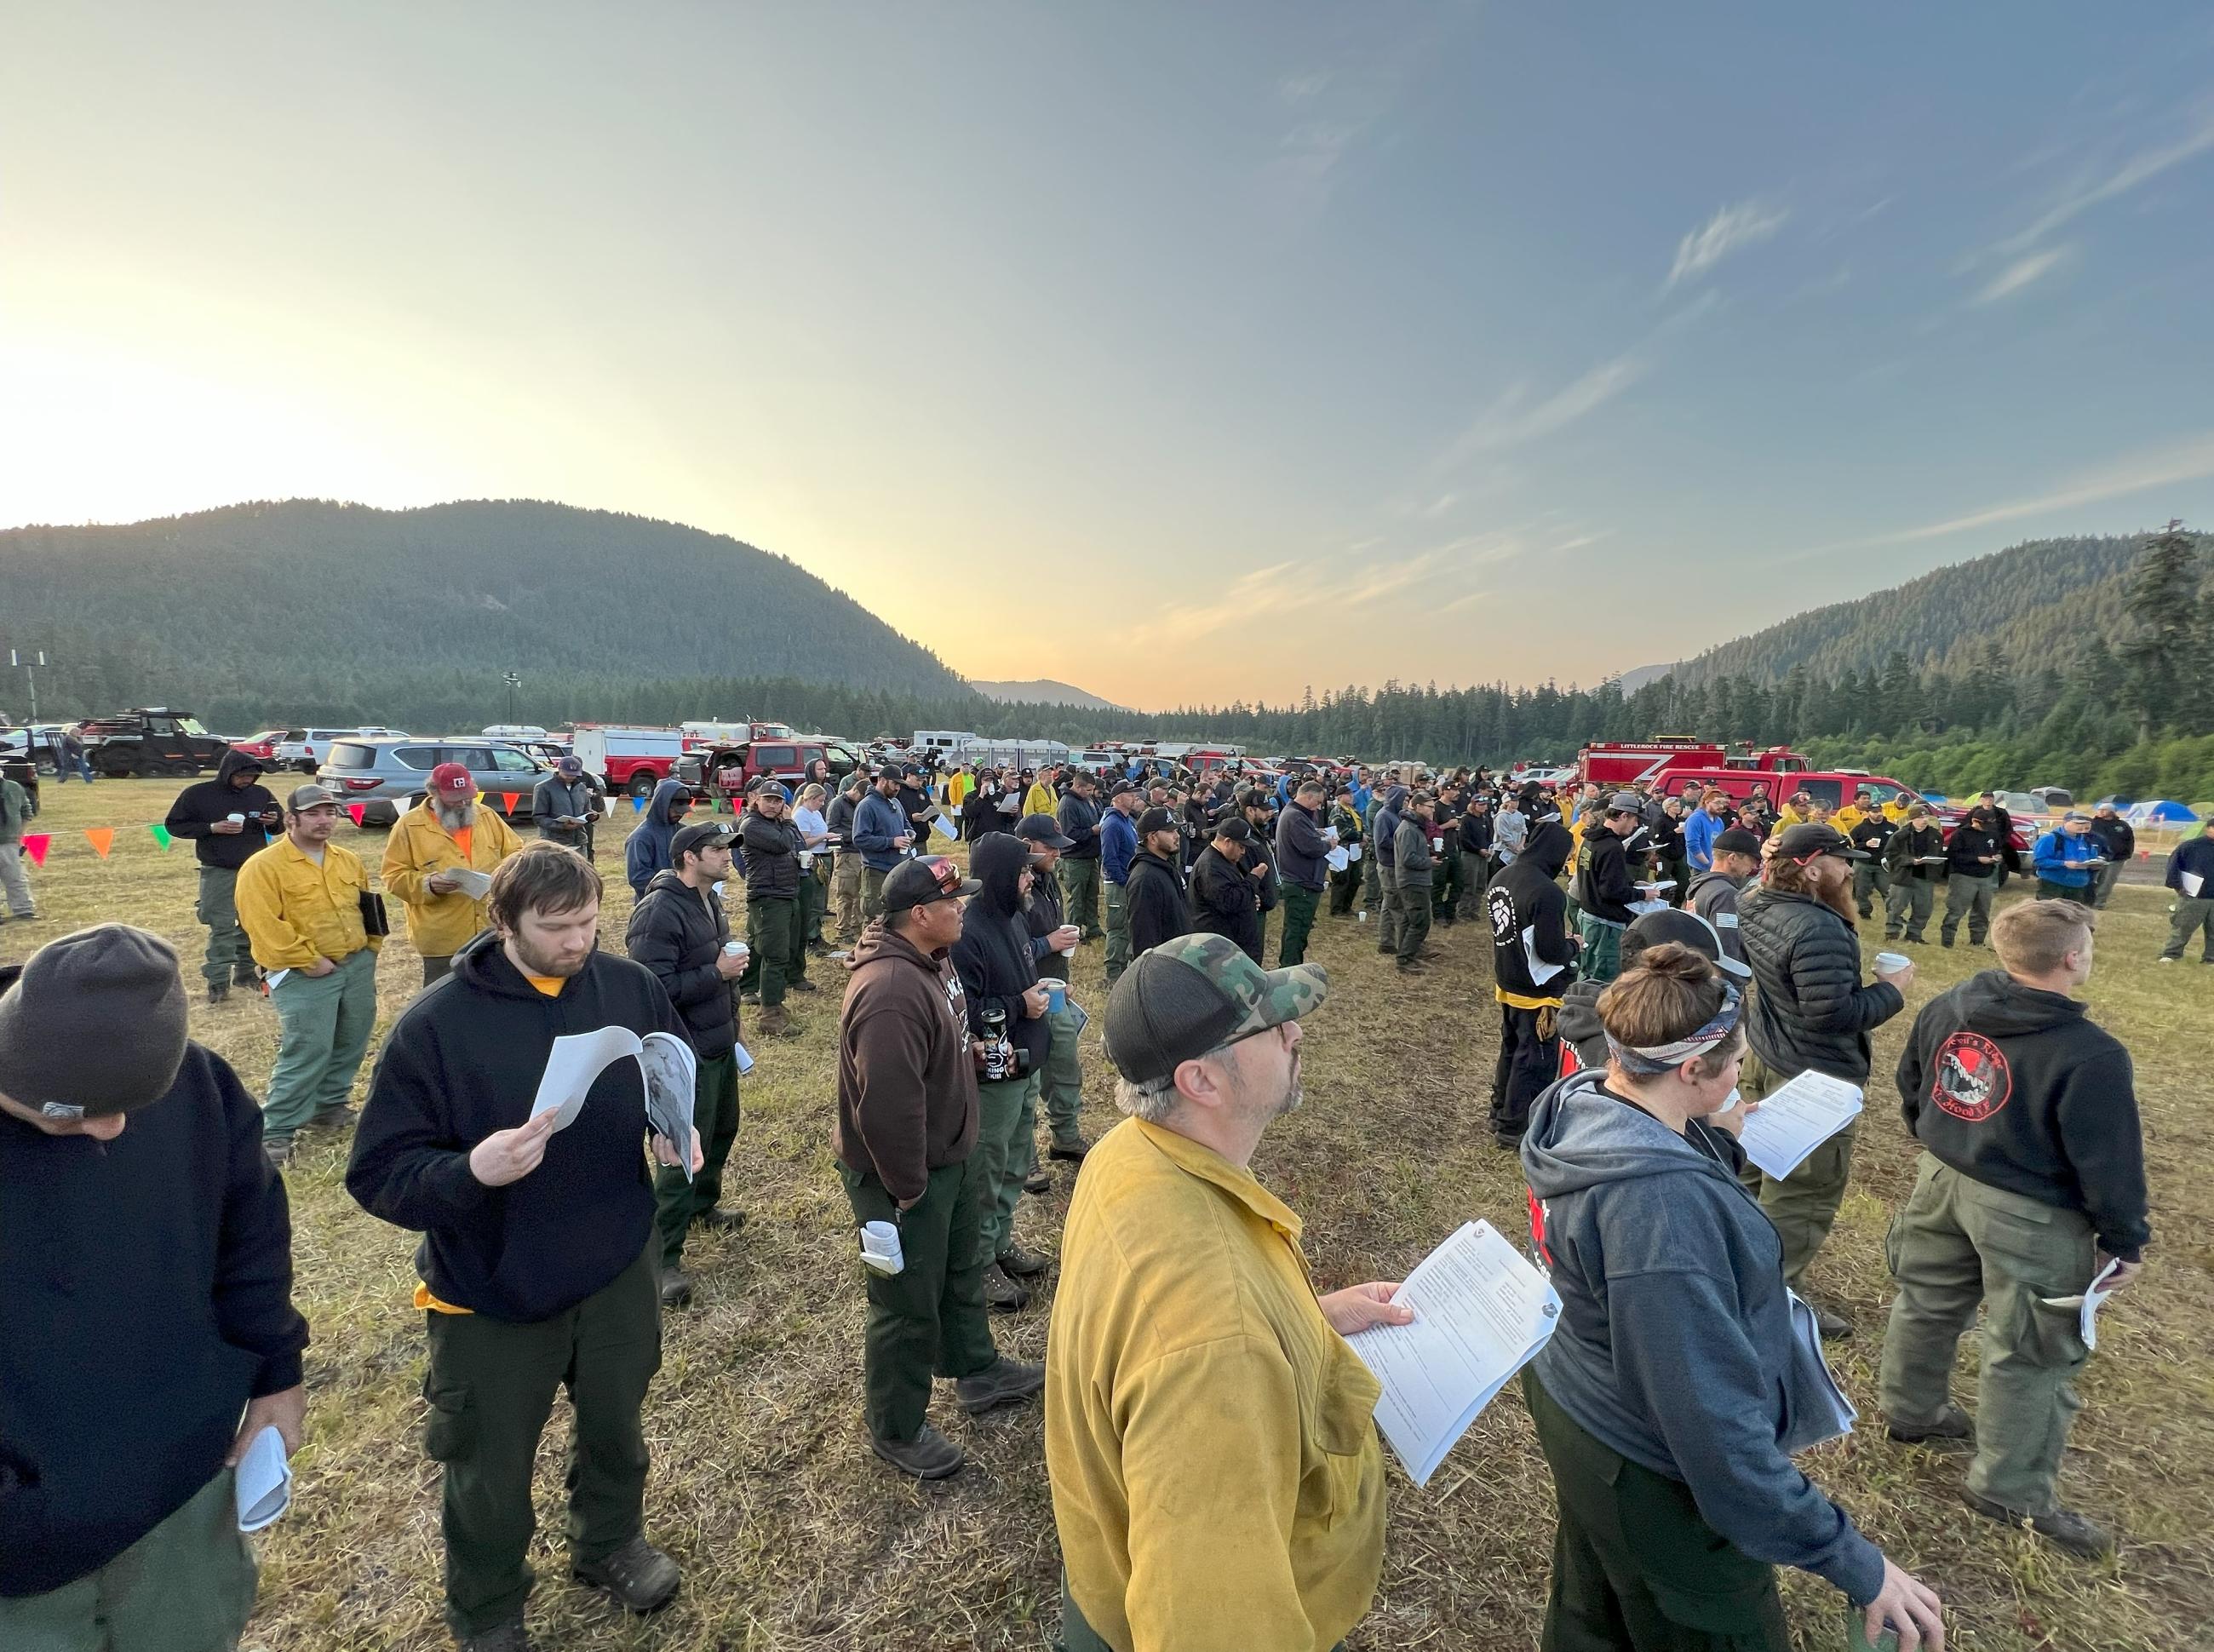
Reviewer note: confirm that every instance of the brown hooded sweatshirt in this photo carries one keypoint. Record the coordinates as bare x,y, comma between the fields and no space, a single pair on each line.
907,1083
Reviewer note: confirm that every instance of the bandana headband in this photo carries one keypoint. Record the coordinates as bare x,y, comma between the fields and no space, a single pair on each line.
1649,1061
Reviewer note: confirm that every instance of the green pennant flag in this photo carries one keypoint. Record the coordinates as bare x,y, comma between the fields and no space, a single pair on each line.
160,834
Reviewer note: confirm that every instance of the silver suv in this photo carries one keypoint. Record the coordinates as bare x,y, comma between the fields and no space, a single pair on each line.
387,776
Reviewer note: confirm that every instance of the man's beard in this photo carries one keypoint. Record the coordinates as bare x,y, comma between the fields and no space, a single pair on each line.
455,816
1839,897
535,964
1294,1095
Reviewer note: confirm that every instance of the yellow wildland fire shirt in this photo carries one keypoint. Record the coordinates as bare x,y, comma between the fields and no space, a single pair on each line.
1040,799
1217,1478
294,911
418,849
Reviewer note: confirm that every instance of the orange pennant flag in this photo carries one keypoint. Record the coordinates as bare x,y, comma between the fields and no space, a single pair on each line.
509,797
102,839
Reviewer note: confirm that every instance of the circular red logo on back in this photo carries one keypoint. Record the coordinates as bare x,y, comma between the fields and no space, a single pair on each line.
1972,1079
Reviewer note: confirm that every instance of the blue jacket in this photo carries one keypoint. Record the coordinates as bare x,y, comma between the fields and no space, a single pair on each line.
2065,860
1700,831
1118,841
646,850
1360,796
876,824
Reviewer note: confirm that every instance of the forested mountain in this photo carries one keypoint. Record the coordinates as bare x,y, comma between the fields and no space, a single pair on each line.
1042,691
2044,599
304,610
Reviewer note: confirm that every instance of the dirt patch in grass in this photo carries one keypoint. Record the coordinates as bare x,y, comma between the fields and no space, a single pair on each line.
792,1536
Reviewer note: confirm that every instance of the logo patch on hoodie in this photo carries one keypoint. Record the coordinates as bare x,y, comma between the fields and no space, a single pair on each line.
1973,1078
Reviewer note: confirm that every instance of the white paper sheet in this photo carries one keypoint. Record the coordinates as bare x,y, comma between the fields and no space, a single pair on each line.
1337,860
575,1061
262,1486
1481,1313
1353,852
1657,885
942,823
473,883
745,1059
2088,1304
672,1076
2192,882
1540,972
1812,1431
1640,907
1796,1119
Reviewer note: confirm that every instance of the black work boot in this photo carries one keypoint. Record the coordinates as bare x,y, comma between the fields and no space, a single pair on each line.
639,1576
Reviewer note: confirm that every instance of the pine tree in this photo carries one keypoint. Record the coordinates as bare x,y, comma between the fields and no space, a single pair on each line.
2163,657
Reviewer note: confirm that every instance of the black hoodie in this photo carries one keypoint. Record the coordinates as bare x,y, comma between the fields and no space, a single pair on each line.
1603,885
463,1061
1527,896
1155,901
199,806
678,933
993,957
646,850
145,1296
1225,899
2015,1087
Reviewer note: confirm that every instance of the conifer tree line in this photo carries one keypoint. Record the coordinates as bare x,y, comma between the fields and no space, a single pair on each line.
2133,716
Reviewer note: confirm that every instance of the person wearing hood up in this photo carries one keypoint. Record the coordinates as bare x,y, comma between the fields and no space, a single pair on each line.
2031,1182
229,820
1682,1377
647,852
1530,952
999,973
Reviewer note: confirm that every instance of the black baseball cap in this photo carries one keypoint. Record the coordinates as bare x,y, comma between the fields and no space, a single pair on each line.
890,771
1122,788
924,879
1736,841
1686,928
700,834
1043,829
1235,827
1156,819
1804,841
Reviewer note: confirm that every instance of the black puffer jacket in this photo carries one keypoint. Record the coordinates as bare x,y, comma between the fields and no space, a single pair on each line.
678,933
1225,899
993,957
1811,1009
772,852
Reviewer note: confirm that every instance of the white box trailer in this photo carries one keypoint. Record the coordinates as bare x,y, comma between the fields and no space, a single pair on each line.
627,757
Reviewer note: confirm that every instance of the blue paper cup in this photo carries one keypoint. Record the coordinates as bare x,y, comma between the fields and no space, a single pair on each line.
1056,997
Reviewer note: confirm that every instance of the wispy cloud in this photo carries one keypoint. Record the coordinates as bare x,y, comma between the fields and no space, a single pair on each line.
1730,229
1514,417
2140,168
2186,461
2020,273
1298,89
1360,577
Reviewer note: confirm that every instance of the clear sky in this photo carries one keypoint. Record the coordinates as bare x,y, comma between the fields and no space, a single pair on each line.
1271,345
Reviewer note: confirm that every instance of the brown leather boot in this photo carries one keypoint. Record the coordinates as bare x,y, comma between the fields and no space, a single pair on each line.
775,1022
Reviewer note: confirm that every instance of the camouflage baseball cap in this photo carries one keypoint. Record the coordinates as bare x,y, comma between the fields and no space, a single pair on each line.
1183,997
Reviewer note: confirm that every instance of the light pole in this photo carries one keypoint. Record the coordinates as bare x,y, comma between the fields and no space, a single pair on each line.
514,681
31,663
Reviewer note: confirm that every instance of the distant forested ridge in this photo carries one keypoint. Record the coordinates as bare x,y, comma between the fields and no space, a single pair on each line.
304,610
2043,597
2087,662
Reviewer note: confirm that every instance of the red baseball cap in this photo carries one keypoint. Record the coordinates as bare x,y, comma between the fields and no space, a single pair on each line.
452,780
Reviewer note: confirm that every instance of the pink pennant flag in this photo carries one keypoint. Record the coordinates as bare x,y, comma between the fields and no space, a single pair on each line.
35,845
357,810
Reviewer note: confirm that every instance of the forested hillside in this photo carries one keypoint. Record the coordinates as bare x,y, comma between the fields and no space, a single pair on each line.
309,610
2031,599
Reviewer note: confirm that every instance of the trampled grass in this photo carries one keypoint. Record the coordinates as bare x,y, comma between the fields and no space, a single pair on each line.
792,1536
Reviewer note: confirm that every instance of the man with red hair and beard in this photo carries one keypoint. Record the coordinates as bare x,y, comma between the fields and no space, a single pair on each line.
1812,1010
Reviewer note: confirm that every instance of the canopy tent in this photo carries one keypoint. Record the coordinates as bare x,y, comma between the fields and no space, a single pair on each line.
2164,812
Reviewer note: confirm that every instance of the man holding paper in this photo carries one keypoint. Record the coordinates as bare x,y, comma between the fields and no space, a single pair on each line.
2190,875
1217,1479
147,1331
438,863
538,1252
1811,1009
2031,1184
1684,1374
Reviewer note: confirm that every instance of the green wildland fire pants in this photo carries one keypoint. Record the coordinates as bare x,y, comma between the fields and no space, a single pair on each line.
2193,916
1906,904
1064,1080
1969,897
323,1026
187,1586
846,889
1868,882
1635,1564
1080,886
1006,1127
779,950
228,956
1955,1243
1118,933
1804,1206
677,1203
490,1387
1445,880
873,892
1599,957
1300,906
1413,917
929,1317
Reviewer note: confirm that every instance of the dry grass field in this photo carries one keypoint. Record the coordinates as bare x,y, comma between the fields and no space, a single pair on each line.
792,1536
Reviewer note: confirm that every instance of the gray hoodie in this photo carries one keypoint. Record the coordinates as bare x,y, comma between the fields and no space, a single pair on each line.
1675,1346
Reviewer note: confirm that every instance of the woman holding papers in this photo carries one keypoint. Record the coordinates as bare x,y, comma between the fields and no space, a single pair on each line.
1684,1374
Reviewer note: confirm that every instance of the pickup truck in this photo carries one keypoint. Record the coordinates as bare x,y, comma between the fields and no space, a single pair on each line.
150,740
722,771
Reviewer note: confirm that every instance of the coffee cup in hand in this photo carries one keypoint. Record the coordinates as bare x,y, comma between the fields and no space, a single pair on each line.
1890,964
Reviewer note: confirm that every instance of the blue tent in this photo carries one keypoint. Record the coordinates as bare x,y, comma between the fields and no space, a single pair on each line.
2163,812
1935,797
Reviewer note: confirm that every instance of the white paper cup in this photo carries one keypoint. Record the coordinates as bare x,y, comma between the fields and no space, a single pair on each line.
806,859
239,820
735,949
1890,964
880,1247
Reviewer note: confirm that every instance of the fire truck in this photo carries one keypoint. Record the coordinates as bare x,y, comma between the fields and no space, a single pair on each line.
1624,763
